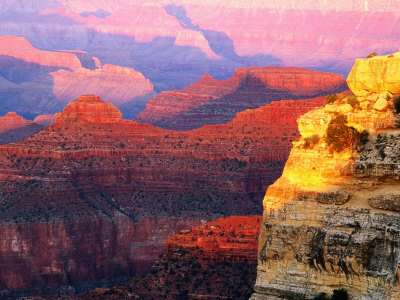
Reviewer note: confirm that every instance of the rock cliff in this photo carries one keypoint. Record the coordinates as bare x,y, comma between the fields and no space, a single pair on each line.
91,169
45,120
216,260
14,128
331,220
211,101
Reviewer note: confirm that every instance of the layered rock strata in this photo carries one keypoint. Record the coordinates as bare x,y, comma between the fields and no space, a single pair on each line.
211,101
331,220
216,260
92,167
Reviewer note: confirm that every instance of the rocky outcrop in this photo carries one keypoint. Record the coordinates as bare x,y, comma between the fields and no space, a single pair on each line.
331,221
90,108
14,128
91,166
211,101
216,260
376,74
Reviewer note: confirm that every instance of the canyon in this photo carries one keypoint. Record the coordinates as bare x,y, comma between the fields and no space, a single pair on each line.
140,184
35,81
185,39
211,101
331,220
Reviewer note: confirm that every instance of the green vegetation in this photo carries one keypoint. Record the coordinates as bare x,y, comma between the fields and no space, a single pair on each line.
330,98
397,104
339,136
338,294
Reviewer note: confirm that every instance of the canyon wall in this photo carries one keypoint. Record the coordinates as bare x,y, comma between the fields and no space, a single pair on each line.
216,260
331,220
211,101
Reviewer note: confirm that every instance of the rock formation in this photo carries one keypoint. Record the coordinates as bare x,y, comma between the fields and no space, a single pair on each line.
14,128
34,81
331,220
216,260
138,183
211,101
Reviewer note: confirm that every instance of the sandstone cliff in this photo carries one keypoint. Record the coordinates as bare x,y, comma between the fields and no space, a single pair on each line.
331,221
211,101
91,169
14,128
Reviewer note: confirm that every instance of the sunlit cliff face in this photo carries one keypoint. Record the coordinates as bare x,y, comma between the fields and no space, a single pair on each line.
327,219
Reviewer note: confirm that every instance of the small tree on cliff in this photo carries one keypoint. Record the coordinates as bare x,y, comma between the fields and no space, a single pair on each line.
339,136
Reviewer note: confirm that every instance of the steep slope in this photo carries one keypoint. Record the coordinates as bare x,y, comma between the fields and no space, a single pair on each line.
331,221
138,183
211,101
14,128
34,81
216,260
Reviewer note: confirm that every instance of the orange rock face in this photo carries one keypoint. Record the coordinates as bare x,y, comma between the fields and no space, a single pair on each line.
92,166
211,101
91,109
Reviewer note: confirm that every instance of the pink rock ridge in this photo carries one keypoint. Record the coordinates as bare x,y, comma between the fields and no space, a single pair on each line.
20,48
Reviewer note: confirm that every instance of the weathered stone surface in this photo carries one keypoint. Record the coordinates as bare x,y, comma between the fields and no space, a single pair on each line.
338,198
388,202
377,74
381,104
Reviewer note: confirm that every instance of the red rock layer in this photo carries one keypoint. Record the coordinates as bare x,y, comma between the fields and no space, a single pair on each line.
211,101
14,128
216,260
92,165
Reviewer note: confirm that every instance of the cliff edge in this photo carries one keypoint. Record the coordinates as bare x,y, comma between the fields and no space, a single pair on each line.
332,221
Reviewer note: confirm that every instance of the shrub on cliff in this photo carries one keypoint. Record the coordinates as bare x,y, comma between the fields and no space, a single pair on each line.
311,141
339,136
397,104
372,55
352,100
338,294
330,98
